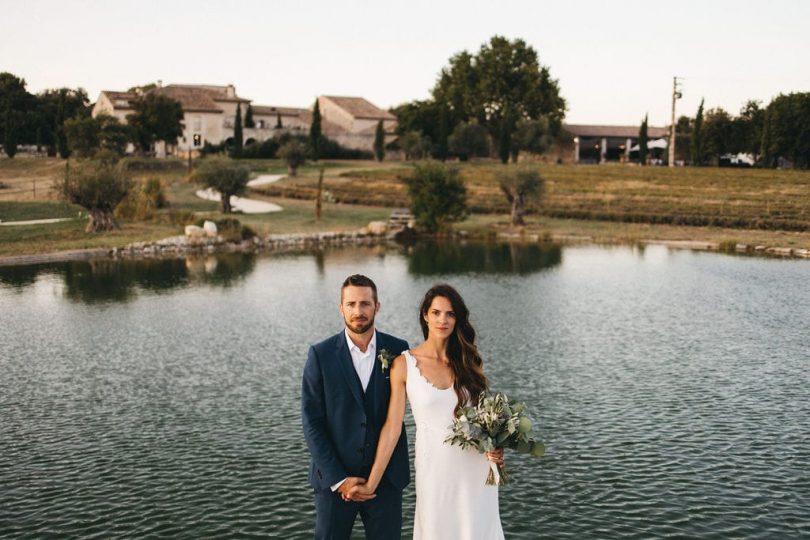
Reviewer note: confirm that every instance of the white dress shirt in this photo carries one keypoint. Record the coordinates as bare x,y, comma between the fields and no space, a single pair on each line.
363,365
363,361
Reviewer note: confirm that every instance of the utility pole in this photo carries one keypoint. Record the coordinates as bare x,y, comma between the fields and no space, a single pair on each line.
676,95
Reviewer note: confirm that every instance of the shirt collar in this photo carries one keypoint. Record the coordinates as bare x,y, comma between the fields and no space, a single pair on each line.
372,345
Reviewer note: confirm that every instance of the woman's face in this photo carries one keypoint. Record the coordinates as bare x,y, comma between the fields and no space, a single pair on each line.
440,318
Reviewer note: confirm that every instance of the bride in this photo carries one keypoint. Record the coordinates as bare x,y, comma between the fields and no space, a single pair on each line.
439,376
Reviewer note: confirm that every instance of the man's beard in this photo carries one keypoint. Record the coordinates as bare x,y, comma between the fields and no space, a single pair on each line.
360,327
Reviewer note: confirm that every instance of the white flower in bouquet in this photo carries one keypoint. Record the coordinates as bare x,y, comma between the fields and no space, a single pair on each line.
495,423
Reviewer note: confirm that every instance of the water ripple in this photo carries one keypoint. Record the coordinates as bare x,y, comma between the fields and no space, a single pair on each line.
670,388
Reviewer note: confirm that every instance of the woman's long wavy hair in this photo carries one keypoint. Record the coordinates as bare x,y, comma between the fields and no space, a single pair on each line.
465,361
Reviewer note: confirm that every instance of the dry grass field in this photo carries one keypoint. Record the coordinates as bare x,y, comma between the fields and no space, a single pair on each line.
698,196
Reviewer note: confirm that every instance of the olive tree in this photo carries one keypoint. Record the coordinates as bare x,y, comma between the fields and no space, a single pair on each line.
99,187
223,176
519,186
294,154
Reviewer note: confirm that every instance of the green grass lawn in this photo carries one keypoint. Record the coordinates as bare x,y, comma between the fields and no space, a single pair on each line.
27,210
605,203
70,235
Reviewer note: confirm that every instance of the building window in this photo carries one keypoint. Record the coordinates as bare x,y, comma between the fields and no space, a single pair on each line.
196,123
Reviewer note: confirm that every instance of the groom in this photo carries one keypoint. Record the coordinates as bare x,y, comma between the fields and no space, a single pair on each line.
344,403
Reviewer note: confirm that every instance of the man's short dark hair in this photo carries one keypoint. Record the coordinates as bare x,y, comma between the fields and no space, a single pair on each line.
359,280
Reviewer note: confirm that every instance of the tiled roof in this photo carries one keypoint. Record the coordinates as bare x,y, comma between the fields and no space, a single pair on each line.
197,98
121,100
628,132
361,108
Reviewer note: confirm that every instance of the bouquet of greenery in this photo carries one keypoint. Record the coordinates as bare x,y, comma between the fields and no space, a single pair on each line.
495,423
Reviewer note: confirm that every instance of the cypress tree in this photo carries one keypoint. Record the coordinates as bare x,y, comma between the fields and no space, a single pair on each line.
315,132
10,134
237,132
443,134
642,142
766,154
379,142
249,123
696,147
278,121
61,138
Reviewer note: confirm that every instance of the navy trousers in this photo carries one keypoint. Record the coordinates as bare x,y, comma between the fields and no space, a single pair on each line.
382,515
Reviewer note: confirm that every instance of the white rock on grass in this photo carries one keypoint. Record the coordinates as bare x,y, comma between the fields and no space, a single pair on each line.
193,231
210,229
377,228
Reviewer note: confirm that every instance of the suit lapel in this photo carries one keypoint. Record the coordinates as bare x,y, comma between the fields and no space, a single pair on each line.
344,358
379,377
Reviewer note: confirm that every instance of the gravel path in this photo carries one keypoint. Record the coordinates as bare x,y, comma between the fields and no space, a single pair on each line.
33,222
246,206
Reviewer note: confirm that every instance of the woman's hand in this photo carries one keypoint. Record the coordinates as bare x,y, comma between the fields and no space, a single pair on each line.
361,492
496,457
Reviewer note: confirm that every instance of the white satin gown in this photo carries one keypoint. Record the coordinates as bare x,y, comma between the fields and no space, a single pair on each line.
452,499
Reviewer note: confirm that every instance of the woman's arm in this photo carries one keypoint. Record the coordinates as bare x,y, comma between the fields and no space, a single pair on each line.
391,429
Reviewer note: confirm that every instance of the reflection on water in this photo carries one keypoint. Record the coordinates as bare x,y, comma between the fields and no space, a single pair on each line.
431,258
110,280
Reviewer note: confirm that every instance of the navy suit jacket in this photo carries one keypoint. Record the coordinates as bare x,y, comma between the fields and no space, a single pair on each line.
341,437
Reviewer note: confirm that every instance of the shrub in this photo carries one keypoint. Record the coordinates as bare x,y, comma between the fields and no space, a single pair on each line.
261,150
438,196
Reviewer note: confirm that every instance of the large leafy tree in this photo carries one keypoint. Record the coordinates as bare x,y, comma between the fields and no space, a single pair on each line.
10,130
469,139
501,85
414,145
718,134
15,102
54,107
438,196
156,118
87,136
534,136
747,128
683,134
786,132
39,119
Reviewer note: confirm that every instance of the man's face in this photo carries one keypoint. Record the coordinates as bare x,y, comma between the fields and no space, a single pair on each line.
358,308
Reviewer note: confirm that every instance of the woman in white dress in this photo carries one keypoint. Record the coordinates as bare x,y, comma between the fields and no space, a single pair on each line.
440,375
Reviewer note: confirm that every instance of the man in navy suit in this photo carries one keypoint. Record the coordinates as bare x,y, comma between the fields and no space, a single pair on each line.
344,403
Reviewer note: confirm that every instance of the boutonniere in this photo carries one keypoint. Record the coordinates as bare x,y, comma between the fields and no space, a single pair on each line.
385,358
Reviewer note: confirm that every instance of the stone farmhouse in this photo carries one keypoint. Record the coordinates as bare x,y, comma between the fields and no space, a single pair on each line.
352,121
209,113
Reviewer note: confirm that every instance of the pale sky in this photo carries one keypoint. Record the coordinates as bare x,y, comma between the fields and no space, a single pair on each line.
614,60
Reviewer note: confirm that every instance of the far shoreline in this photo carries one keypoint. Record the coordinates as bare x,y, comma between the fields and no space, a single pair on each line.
170,248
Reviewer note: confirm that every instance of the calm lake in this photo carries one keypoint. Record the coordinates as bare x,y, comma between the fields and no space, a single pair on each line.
161,398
